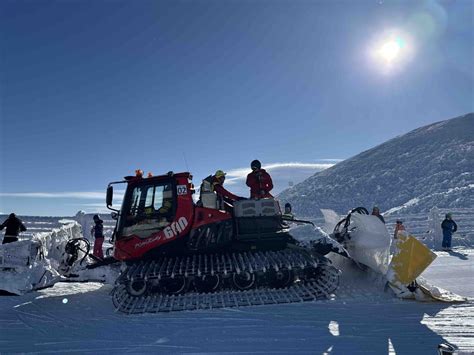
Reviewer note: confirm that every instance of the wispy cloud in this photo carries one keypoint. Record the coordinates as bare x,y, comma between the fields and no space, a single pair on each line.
335,160
95,207
284,175
236,175
89,195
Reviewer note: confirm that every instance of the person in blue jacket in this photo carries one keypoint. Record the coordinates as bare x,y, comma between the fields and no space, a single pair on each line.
449,227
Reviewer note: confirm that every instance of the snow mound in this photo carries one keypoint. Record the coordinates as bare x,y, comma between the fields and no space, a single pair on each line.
33,264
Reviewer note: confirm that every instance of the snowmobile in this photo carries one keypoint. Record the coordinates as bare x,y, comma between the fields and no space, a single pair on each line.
179,255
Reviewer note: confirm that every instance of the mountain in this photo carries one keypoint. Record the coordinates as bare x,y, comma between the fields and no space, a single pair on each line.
429,166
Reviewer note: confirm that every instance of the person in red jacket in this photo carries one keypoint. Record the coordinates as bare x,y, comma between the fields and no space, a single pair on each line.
97,232
398,228
259,181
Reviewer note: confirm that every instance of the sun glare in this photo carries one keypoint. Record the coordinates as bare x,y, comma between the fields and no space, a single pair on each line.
391,51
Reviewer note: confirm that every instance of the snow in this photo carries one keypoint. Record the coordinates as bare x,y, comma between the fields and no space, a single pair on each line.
416,200
331,218
369,242
456,269
416,171
412,202
33,264
360,319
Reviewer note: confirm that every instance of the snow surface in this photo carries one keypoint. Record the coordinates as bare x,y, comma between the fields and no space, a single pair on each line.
361,319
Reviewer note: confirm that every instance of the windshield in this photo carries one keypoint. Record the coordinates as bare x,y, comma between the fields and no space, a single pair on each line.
148,208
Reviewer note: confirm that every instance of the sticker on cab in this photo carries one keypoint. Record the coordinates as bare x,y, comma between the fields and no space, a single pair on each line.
182,189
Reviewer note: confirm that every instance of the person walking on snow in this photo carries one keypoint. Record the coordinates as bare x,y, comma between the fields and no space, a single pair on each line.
449,227
376,212
259,181
98,233
14,226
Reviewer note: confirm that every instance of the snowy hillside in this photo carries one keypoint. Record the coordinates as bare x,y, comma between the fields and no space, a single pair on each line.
430,166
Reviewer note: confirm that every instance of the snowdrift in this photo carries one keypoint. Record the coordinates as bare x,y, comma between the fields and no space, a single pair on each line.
33,264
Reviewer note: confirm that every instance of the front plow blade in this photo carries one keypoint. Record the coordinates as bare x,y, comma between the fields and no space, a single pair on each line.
410,260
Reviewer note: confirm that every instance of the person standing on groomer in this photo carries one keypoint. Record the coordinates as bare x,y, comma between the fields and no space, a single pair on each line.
259,181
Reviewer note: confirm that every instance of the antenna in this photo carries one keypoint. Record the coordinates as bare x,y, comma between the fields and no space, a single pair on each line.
186,162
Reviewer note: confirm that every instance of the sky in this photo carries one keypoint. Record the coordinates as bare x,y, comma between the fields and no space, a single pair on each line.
92,90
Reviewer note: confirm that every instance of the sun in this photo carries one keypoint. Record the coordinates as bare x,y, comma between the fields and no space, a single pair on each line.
391,51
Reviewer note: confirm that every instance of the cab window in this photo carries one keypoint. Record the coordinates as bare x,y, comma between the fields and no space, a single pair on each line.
150,204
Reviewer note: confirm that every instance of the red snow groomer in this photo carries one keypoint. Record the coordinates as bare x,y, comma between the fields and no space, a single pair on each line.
182,256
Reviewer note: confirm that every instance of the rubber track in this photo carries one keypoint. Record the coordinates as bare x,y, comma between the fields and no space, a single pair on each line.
302,291
223,264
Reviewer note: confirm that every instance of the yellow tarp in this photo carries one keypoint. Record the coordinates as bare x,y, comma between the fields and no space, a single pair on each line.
412,258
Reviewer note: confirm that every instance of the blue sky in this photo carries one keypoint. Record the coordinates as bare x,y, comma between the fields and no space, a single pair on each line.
92,90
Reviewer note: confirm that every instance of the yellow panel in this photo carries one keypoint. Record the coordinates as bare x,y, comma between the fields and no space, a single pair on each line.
412,259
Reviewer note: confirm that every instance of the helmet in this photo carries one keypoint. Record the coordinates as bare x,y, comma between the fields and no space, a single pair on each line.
219,174
12,215
255,164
